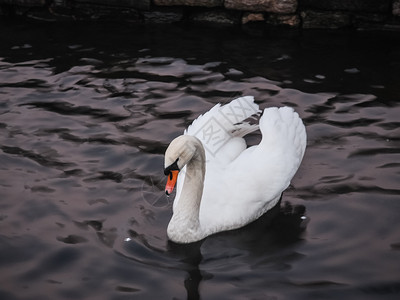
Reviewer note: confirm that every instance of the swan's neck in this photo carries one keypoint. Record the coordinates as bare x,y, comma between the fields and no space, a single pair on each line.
185,224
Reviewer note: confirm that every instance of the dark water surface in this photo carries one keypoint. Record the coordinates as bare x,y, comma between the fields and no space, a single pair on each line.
87,111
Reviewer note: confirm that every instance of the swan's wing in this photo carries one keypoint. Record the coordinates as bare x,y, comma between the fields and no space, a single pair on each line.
219,127
255,180
221,130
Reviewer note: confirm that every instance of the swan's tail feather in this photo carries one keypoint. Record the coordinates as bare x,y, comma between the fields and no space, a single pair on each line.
283,126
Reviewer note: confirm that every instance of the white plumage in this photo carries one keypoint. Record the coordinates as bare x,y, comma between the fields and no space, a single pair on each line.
222,184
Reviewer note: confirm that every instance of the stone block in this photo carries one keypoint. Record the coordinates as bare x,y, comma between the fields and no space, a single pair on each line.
369,20
273,6
292,20
82,11
252,17
137,4
205,3
165,16
375,6
218,17
396,8
24,3
325,20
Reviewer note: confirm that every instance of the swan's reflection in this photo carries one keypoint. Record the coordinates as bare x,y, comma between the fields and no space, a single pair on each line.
279,228
191,258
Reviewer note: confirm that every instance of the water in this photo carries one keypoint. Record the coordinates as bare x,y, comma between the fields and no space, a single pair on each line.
87,112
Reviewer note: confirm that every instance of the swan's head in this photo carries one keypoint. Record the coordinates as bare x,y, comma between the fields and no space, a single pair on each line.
180,152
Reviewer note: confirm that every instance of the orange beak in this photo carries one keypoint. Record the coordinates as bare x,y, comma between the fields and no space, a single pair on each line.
172,177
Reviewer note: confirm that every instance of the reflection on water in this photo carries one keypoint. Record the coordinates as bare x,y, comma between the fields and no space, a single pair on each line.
85,117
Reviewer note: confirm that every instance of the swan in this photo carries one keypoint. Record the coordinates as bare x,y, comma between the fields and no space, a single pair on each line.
221,184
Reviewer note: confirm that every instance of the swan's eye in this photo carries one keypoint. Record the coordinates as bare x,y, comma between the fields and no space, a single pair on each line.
172,167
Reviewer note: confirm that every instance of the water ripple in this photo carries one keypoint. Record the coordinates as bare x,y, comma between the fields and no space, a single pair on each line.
40,159
85,121
65,108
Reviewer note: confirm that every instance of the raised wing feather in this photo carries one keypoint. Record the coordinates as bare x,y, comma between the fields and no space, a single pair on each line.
221,124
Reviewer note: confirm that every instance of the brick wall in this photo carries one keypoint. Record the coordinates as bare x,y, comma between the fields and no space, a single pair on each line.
367,14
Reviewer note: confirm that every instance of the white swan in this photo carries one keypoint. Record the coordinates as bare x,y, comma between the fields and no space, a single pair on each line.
222,184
